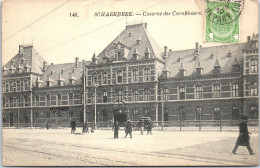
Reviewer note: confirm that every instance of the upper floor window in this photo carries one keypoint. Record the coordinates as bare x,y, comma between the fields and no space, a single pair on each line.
216,91
59,99
135,75
48,100
235,90
165,94
119,96
6,87
26,87
104,78
104,97
146,74
70,98
199,92
254,66
146,94
3,88
254,89
14,86
135,95
182,93
119,77
11,86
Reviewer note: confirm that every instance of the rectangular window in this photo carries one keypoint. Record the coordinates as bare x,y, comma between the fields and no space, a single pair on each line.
104,78
216,91
59,99
146,74
235,113
254,89
48,98
104,97
77,97
253,67
199,92
53,100
7,103
3,89
26,85
119,77
37,99
216,113
64,99
182,114
70,98
135,95
135,76
235,90
3,102
42,100
182,93
27,101
146,95
14,86
7,87
135,115
18,85
11,86
165,94
119,96
20,102
198,113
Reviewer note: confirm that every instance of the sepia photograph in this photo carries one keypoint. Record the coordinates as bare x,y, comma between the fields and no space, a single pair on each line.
130,83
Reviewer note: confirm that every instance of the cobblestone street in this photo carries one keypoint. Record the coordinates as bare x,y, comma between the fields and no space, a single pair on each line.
57,147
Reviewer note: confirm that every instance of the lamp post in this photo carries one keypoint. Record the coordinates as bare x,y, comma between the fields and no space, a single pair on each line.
95,104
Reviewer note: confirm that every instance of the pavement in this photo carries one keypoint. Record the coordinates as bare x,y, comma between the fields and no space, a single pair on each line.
57,147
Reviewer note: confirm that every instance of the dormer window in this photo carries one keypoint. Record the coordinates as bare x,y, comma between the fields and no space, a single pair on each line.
217,67
147,53
181,70
235,68
105,60
135,54
138,41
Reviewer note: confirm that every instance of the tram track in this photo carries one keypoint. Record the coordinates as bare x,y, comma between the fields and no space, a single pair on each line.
158,156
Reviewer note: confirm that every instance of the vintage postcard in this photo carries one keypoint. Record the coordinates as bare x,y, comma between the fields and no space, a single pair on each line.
130,83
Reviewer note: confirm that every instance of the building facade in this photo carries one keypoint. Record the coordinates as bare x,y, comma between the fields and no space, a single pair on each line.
133,71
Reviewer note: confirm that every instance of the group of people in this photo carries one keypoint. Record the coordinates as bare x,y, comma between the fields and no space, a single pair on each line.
73,125
129,128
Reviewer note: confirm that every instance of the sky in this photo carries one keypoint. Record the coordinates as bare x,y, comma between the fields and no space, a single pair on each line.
60,38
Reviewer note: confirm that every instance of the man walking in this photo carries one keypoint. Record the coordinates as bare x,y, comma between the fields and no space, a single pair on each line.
243,139
149,127
128,128
73,126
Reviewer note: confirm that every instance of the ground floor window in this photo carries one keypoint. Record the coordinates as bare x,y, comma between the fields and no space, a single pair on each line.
216,113
235,113
253,112
182,114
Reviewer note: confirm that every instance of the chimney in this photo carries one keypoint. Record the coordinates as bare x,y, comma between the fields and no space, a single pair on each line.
62,71
130,34
76,62
138,41
248,38
179,59
165,52
145,26
44,68
21,49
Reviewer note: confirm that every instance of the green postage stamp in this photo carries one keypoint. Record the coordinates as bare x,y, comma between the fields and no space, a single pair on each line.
222,21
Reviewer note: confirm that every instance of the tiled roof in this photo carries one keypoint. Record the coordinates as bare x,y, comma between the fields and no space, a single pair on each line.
206,59
130,42
30,58
54,73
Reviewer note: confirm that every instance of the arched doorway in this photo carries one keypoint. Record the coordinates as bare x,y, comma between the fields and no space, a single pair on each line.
120,115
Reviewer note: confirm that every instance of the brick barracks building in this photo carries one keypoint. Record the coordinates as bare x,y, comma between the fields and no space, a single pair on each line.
135,75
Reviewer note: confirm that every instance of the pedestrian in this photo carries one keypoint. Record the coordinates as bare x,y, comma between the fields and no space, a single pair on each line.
128,128
116,128
243,138
47,126
149,127
73,126
92,128
141,125
85,128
